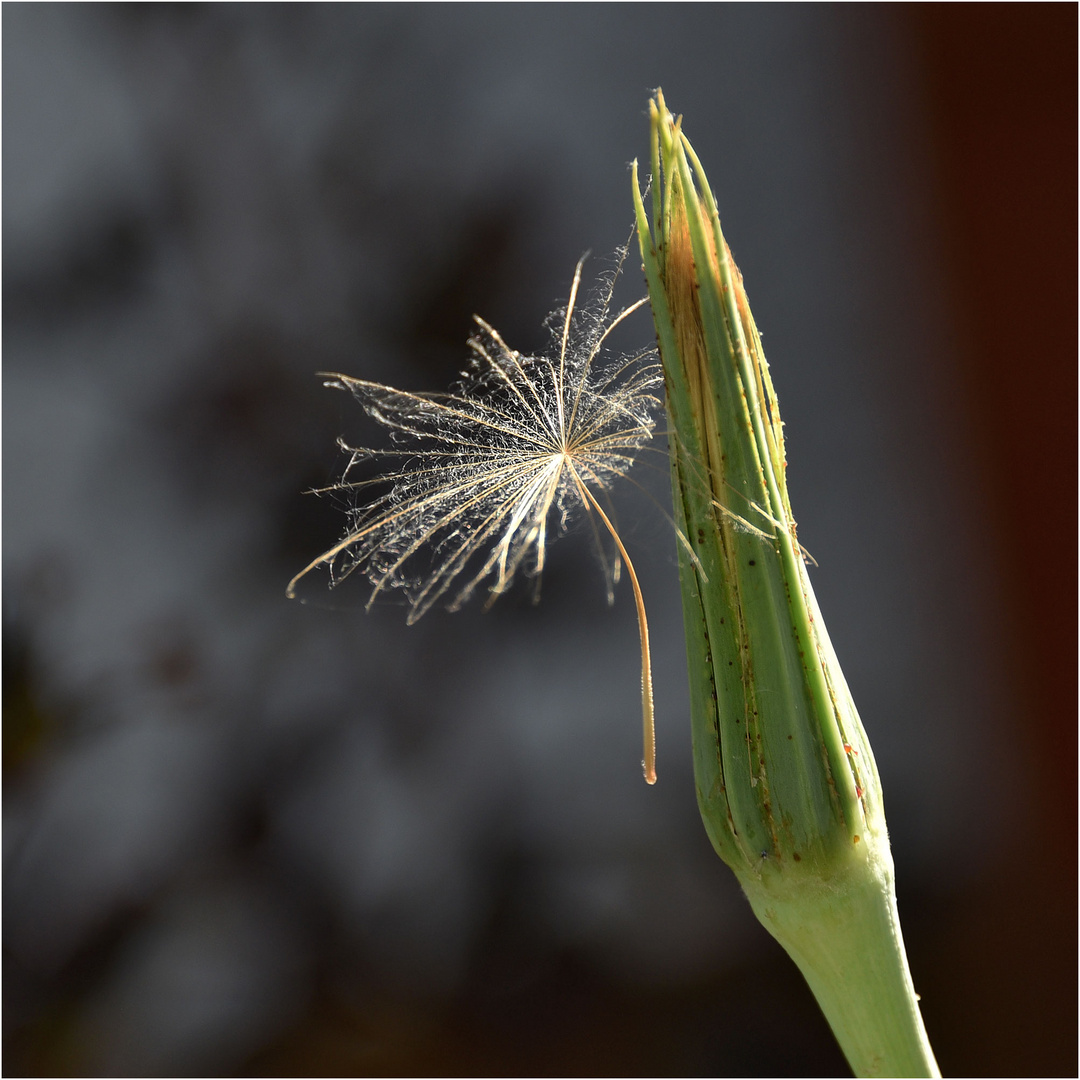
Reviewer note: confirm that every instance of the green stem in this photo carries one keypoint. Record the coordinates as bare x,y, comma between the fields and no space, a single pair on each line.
845,937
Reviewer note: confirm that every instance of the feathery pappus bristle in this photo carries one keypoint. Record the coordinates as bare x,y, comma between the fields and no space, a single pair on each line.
486,475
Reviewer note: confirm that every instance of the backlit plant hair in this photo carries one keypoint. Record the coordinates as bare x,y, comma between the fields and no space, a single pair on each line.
486,475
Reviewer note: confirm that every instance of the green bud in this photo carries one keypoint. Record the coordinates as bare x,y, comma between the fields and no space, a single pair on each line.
786,781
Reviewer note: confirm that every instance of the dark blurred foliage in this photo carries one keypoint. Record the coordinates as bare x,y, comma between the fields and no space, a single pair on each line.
247,837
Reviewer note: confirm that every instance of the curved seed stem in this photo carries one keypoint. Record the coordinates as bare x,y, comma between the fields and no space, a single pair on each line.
647,716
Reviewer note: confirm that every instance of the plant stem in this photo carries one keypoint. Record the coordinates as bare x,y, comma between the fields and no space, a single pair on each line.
845,937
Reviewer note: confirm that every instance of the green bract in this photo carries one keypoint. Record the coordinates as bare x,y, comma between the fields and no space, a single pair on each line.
786,780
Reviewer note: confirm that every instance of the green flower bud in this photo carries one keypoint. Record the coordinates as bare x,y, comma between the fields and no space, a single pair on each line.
786,781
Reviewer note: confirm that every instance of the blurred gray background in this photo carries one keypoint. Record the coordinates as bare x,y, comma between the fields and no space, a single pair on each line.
245,836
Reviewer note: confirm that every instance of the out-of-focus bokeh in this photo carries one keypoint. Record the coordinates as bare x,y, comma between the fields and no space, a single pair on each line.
245,836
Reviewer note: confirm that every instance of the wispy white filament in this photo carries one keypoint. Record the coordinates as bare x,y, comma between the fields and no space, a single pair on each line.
484,472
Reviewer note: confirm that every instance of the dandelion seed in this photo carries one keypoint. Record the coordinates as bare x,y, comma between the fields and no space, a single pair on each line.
488,474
